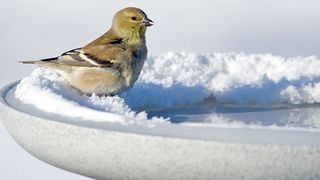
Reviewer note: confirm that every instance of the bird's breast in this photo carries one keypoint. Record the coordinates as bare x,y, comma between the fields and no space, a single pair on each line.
135,65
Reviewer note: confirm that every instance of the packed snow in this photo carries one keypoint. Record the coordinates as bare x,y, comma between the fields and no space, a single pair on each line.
191,84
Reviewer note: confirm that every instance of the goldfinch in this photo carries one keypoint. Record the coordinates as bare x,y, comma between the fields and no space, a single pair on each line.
110,64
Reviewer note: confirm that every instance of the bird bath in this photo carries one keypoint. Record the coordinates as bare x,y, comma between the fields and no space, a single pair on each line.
179,150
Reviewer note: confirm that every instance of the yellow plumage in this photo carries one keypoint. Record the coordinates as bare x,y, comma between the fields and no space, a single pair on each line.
110,64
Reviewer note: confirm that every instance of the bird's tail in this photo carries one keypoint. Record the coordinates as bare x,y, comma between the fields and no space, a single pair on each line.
28,62
49,63
39,61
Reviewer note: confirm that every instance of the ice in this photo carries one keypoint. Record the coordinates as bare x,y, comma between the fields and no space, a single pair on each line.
188,87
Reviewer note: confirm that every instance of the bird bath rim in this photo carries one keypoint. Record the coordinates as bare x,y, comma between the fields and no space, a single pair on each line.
171,130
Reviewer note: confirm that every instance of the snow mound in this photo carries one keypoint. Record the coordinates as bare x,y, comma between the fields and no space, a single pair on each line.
238,77
183,79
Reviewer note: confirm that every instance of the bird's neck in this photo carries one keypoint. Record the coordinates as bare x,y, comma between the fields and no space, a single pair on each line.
132,36
135,37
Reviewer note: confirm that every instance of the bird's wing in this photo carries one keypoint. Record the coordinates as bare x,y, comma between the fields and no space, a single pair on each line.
77,57
107,48
106,51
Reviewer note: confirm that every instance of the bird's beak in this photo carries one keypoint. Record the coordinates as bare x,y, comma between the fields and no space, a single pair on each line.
147,22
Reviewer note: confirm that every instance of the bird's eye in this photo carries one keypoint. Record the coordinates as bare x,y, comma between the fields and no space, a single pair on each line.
133,18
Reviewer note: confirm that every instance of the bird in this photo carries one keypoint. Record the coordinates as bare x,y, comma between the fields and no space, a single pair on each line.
110,64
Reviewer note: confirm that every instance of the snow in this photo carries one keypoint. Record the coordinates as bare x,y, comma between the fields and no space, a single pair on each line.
194,82
235,77
48,91
233,110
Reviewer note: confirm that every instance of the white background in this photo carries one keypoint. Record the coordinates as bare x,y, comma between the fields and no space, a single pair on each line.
34,29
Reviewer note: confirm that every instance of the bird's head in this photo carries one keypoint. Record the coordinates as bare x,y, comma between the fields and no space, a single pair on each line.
131,23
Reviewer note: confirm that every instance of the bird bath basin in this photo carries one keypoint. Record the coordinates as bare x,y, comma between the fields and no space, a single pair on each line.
179,150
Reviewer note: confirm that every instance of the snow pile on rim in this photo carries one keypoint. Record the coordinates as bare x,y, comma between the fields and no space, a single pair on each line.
178,79
48,91
238,77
